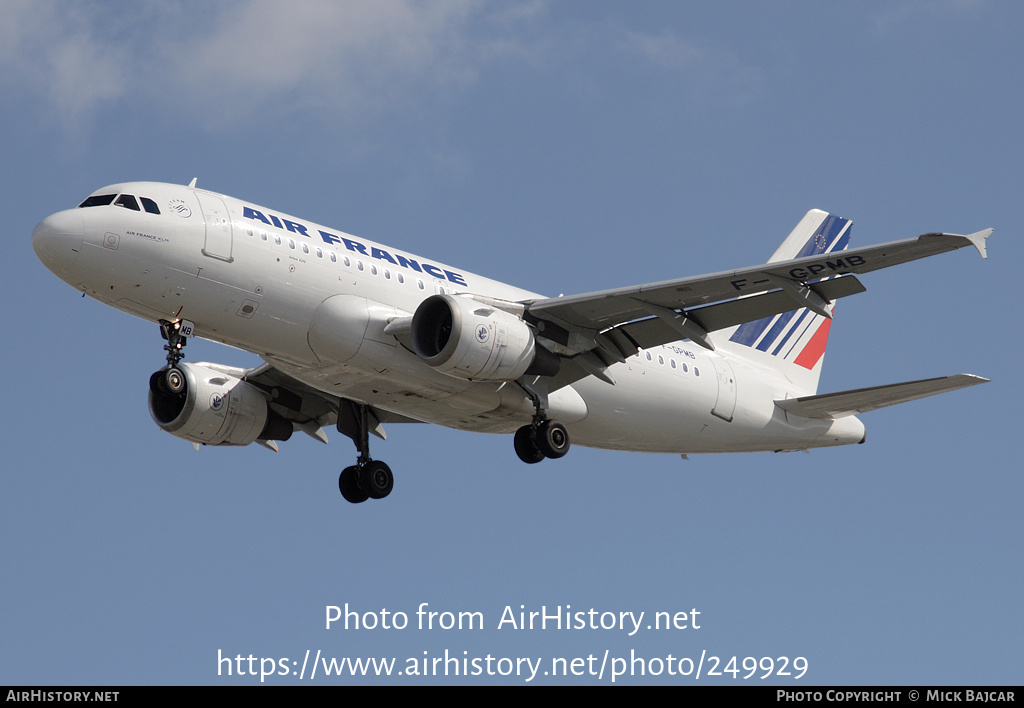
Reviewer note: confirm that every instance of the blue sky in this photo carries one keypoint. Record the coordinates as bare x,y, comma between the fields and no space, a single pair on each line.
563,147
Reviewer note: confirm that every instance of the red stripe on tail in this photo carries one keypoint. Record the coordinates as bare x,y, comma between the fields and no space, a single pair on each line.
815,348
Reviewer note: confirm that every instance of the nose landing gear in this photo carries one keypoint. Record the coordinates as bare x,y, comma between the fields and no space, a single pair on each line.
176,334
170,379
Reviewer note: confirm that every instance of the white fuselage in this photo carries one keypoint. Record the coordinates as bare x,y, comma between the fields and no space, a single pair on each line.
257,279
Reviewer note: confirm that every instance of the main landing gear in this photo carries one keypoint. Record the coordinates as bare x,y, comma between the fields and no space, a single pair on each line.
367,479
542,437
371,479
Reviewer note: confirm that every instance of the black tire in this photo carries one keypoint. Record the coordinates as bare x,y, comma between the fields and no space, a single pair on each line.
526,446
553,439
376,480
348,484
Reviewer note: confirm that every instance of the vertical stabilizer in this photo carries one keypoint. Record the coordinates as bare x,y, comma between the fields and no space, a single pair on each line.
793,343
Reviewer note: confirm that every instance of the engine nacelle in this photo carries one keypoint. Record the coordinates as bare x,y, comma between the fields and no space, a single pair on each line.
205,406
473,340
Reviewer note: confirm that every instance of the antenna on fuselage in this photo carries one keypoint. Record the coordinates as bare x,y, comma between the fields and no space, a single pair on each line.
192,184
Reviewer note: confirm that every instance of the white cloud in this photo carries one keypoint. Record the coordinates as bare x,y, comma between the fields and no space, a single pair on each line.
265,46
665,49
45,48
896,14
219,59
710,72
83,74
220,63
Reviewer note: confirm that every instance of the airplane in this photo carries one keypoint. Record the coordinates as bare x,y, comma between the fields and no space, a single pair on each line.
355,335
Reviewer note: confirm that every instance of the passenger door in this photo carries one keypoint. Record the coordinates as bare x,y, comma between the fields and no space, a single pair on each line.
218,227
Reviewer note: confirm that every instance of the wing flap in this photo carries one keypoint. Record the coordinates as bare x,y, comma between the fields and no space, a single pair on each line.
653,332
862,400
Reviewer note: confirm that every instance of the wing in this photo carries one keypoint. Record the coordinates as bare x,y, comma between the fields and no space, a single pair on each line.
599,328
310,410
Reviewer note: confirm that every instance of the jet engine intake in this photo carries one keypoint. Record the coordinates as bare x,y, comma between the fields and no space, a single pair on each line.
475,341
201,405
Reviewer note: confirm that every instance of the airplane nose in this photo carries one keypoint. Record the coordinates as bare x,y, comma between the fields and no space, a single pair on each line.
57,240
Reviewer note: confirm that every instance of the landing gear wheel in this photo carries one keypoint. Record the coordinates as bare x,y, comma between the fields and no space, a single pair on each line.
526,445
174,379
348,484
376,480
552,439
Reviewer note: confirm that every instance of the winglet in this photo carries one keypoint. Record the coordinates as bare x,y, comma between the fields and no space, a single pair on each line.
978,240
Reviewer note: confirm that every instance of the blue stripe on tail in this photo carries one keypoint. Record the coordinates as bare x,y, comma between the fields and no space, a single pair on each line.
831,235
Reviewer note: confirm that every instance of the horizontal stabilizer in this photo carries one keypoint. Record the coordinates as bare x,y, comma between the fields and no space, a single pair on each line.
862,400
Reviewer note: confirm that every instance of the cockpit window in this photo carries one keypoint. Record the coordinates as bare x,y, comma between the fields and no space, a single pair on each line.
149,205
128,202
97,200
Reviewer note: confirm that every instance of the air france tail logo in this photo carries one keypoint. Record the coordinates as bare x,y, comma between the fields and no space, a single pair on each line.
800,336
482,334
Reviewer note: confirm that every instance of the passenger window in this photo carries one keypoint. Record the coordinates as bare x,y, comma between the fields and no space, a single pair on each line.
277,239
305,248
401,278
319,253
98,200
128,202
419,283
373,269
291,244
334,258
150,206
387,274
